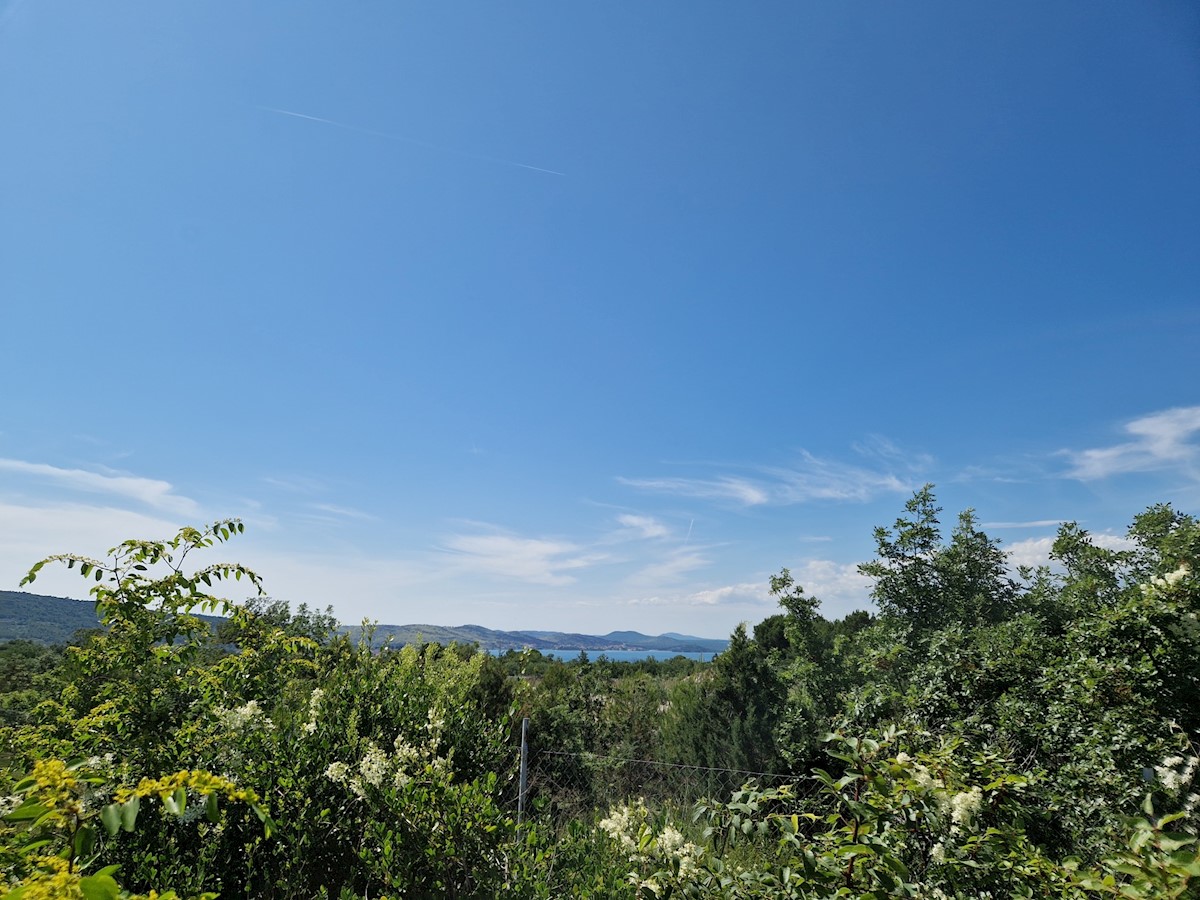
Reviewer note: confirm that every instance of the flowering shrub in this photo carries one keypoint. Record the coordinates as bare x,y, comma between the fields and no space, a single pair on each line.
987,745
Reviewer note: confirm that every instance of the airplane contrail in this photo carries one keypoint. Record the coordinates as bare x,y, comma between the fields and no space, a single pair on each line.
408,140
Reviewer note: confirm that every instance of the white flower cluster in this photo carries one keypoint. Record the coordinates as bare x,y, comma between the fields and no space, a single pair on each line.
624,824
920,774
373,766
1168,581
402,765
1176,773
961,807
372,769
249,715
670,843
314,710
629,826
965,805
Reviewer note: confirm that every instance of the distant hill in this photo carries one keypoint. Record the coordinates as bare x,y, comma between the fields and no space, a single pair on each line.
53,620
500,641
49,620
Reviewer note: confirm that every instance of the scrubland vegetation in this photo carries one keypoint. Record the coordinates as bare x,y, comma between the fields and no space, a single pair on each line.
985,734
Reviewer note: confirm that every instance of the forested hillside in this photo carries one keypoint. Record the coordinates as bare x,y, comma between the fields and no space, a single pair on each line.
47,620
55,620
985,733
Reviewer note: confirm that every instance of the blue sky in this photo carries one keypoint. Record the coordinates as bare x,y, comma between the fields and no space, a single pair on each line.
591,316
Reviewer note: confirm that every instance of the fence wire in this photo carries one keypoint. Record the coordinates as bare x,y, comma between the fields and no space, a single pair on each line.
564,786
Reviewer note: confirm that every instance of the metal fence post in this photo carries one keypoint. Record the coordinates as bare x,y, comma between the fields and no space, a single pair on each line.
524,783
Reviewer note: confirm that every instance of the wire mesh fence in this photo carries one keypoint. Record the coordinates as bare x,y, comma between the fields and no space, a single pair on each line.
564,786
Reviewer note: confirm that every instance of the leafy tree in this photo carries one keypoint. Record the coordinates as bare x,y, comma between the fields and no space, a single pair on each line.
926,585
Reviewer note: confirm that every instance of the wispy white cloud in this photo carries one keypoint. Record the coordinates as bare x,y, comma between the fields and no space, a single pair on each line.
810,478
821,479
748,592
1160,441
154,493
725,487
297,484
839,586
744,594
671,567
1036,523
390,589
30,531
344,512
644,526
533,560
879,448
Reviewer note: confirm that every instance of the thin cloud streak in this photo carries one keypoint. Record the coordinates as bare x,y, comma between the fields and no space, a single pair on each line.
407,140
533,560
744,594
1036,523
810,479
671,568
645,526
149,491
821,479
1161,440
739,490
29,532
297,484
344,512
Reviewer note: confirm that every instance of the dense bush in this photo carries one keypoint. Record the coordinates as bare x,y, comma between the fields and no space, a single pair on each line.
990,733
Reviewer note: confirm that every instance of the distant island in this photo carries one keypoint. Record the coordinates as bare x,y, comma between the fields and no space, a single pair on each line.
53,620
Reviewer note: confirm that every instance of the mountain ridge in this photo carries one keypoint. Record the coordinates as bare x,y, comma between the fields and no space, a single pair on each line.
53,620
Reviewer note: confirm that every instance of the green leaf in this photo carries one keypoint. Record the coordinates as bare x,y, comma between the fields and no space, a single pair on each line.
1173,840
85,842
856,850
110,817
99,887
27,811
177,802
212,810
268,822
129,812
